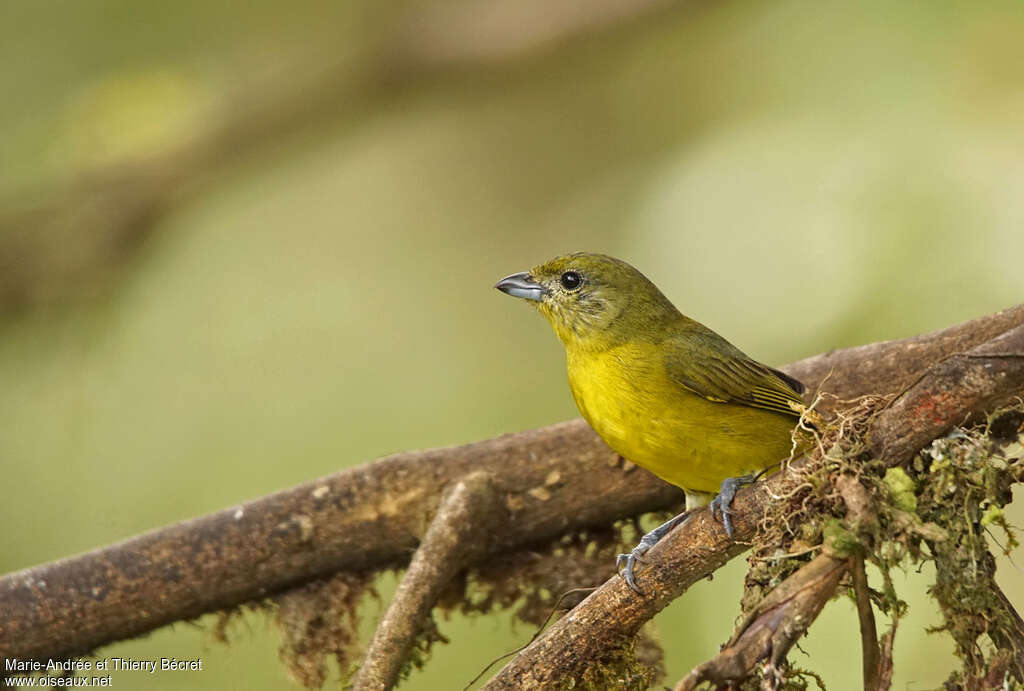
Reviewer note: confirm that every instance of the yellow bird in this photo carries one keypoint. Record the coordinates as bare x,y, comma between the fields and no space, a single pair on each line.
661,389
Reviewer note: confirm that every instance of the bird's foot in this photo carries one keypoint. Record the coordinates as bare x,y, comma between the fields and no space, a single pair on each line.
721,504
625,563
630,560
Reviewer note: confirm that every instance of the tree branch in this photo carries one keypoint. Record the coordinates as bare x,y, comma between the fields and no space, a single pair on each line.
365,518
470,512
552,480
870,652
892,366
614,613
773,625
860,513
772,628
961,384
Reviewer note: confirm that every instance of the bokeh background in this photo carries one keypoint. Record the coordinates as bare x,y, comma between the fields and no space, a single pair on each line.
245,245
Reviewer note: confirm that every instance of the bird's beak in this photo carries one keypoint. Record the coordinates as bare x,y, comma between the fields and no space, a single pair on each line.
521,286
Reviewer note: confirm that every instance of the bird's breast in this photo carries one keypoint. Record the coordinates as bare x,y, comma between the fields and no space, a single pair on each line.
620,392
626,395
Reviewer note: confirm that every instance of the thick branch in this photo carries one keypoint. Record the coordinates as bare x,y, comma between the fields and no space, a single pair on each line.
469,514
613,613
365,518
552,480
892,366
962,384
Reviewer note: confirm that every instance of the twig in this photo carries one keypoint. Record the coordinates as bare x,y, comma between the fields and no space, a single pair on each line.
885,665
860,512
1011,640
771,629
861,516
870,653
369,518
469,514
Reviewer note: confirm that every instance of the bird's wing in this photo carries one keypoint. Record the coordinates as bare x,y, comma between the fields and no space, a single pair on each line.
705,363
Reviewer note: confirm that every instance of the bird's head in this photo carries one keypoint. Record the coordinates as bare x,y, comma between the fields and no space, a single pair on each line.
593,301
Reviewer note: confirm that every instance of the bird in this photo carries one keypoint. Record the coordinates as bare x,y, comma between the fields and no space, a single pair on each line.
662,390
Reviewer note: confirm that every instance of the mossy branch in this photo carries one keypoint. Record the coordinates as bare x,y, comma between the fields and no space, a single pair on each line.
774,626
551,481
871,653
469,515
931,404
771,627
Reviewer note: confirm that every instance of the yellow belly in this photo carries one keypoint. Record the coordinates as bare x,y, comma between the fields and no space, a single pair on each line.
689,441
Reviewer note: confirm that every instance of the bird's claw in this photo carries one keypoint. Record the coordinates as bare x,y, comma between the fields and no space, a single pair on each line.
624,564
721,512
722,503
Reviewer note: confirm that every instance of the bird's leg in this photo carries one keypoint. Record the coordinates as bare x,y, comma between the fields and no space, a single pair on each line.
722,503
646,542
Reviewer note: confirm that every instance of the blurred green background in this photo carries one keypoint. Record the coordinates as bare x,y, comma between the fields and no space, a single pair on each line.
242,246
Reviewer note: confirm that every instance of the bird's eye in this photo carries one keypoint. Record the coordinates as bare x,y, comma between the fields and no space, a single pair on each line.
571,280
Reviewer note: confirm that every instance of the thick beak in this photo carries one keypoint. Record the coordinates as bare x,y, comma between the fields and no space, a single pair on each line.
521,286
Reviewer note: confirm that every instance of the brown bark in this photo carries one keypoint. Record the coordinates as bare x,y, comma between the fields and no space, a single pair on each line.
859,515
871,656
614,613
774,626
372,516
962,384
470,512
365,518
891,366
